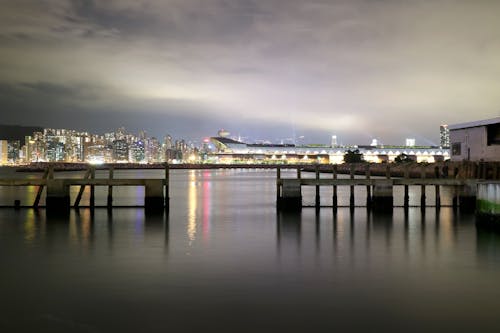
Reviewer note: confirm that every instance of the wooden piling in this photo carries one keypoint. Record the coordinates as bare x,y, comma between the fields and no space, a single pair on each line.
167,186
422,188
51,172
318,199
110,188
92,188
406,199
334,196
437,174
82,189
351,196
278,186
438,197
368,187
40,189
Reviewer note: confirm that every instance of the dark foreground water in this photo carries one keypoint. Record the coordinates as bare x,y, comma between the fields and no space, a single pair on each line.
222,260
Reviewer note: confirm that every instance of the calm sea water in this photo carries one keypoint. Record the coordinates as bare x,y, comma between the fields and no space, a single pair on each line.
223,260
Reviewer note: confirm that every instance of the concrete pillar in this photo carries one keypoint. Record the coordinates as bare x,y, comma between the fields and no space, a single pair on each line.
154,199
110,189
467,198
488,202
368,187
383,199
57,195
422,189
406,198
352,171
334,196
291,195
317,197
167,186
92,188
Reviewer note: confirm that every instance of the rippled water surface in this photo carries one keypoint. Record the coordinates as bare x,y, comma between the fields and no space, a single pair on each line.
222,259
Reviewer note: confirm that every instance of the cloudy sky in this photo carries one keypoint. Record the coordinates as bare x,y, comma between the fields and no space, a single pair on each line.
273,69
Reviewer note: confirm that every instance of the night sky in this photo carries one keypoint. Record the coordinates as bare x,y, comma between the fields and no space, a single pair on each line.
262,69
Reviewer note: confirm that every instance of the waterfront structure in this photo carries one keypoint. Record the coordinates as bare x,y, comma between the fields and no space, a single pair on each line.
64,145
3,152
334,141
444,136
410,142
232,151
476,141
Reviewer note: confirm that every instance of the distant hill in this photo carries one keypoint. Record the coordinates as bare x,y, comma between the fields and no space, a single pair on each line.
15,132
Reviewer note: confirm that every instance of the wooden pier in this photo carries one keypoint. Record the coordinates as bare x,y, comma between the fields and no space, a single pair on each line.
156,194
380,194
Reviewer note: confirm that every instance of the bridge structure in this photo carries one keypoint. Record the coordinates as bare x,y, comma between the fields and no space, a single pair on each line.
156,194
380,190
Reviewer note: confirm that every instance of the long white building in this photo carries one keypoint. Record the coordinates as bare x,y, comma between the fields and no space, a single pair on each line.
229,150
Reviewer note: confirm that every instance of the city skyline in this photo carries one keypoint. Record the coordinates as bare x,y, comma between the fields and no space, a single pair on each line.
275,69
332,140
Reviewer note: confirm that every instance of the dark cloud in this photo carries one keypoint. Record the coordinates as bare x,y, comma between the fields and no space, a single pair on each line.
359,69
57,90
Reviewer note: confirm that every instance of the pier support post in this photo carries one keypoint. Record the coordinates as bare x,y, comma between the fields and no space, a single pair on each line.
438,197
317,198
488,203
368,188
422,189
291,195
154,199
351,189
278,187
110,189
40,189
467,198
57,200
81,190
383,199
92,188
334,196
406,199
167,186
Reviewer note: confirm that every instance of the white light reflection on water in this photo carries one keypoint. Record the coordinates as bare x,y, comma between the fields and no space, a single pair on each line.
259,270
192,206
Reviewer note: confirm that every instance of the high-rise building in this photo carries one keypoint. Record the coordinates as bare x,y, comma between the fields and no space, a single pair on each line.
334,141
55,151
13,150
137,152
120,150
410,142
3,152
444,135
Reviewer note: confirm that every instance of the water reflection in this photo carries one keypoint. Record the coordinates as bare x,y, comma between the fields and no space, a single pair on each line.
79,228
289,271
192,206
488,246
206,203
288,230
30,226
362,236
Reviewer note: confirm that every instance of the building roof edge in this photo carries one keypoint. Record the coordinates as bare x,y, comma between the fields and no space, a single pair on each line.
477,123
